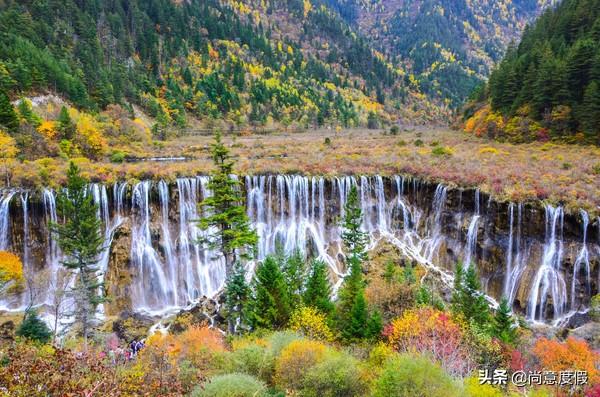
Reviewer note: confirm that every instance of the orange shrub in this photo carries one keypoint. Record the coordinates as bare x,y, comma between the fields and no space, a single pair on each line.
198,344
574,354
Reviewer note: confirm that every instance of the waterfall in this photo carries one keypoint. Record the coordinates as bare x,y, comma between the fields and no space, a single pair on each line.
150,288
549,280
435,230
583,259
163,194
100,196
172,268
296,221
4,220
471,241
26,259
518,262
509,251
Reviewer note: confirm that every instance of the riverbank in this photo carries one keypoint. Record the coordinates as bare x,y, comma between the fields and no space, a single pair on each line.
559,174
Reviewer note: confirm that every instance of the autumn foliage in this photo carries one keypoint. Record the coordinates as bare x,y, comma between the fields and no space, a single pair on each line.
295,360
570,355
309,322
11,270
427,330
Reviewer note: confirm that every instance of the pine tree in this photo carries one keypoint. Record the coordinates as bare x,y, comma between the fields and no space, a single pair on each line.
33,328
26,112
350,309
317,292
374,325
65,124
226,212
503,325
82,242
356,325
237,293
458,291
270,305
467,298
354,239
8,116
294,275
590,115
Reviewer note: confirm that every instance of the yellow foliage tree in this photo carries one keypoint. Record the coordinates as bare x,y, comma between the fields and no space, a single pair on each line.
11,271
309,322
8,151
295,361
89,135
48,129
307,7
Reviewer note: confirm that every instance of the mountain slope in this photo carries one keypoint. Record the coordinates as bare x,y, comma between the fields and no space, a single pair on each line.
549,86
448,45
246,62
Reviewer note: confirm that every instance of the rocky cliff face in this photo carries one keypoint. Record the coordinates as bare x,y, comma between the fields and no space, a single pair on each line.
545,262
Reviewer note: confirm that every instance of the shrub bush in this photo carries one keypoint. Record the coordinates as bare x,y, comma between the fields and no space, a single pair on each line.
336,375
430,331
253,359
473,388
280,340
295,361
441,151
408,376
231,385
34,328
117,157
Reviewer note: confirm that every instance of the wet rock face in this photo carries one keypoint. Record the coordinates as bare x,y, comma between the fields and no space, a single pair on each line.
510,244
119,274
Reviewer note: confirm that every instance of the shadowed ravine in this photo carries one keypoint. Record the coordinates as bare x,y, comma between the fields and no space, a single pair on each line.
545,261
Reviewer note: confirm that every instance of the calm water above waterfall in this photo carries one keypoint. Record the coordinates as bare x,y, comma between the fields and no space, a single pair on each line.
546,268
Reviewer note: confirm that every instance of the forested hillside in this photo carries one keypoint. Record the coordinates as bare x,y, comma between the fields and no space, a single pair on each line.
247,62
549,86
446,46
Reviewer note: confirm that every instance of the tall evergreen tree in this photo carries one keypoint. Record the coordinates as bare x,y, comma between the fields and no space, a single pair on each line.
590,115
294,273
81,241
65,124
237,293
374,325
503,326
467,298
225,210
352,308
356,325
317,292
8,116
270,304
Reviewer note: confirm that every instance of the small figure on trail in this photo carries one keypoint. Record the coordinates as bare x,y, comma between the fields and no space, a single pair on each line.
139,346
133,346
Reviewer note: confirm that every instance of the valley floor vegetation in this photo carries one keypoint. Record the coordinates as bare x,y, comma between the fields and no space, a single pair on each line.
557,173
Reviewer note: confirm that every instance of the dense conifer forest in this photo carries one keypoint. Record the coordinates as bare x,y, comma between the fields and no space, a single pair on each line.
547,86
